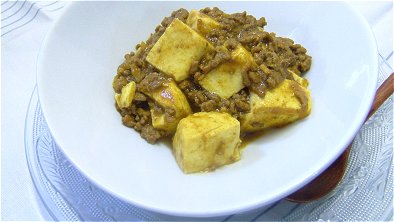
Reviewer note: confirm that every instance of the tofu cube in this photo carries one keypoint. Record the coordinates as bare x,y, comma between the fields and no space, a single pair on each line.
205,141
282,105
169,97
176,49
201,23
125,98
226,79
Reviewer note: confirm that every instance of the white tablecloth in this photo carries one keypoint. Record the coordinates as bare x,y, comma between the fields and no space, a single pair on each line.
24,25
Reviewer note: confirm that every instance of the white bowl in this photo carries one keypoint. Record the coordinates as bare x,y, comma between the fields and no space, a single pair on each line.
79,59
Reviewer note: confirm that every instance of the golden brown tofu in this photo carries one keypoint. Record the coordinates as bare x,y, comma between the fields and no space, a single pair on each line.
226,79
169,97
201,23
125,98
176,49
205,141
282,105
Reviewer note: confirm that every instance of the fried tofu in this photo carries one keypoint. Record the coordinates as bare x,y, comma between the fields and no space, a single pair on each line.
176,50
205,141
226,79
125,98
286,103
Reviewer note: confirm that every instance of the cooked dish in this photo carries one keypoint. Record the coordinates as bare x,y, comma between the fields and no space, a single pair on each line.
206,78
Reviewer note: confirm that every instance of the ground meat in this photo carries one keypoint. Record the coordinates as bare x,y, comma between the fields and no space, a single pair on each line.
275,53
148,78
233,25
273,57
202,100
135,117
139,118
119,82
140,97
152,82
211,61
151,134
180,14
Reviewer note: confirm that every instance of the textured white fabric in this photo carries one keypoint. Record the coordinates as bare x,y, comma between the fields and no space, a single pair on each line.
23,28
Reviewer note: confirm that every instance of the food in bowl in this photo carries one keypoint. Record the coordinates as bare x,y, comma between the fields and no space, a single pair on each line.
208,78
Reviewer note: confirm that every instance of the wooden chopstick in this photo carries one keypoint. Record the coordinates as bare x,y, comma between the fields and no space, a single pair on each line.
382,94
